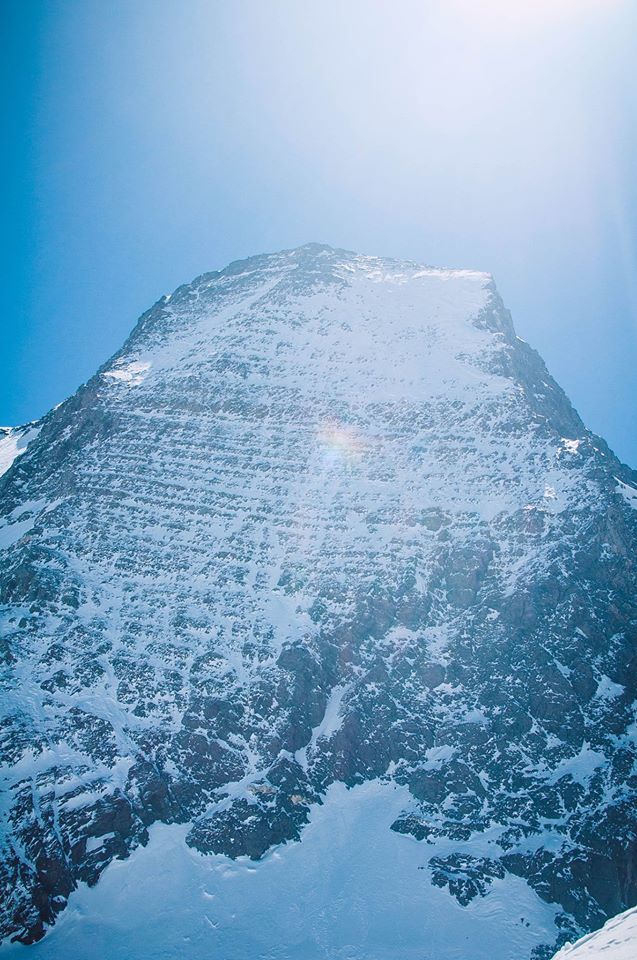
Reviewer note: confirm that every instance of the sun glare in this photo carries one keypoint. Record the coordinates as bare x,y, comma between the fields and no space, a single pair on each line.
525,13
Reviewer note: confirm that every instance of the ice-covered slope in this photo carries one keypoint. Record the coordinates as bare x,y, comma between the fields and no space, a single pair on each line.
617,940
323,519
13,442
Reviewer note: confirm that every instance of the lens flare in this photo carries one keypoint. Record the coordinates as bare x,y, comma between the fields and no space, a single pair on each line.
340,443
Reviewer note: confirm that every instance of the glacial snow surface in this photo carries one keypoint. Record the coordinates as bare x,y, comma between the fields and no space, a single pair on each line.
351,889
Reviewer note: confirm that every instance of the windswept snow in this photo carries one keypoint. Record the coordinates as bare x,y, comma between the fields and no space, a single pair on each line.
617,940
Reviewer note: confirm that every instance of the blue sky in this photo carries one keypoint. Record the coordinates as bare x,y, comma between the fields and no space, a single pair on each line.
147,142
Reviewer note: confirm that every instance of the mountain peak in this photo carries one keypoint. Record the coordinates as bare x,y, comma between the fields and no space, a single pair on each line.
304,271
323,535
314,255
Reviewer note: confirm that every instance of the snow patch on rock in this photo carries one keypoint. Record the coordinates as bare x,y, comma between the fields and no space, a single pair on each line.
13,443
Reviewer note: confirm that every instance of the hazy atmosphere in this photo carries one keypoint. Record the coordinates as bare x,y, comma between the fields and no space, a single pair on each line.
147,142
318,596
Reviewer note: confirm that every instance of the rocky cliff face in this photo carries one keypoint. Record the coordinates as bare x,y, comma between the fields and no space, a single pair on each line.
323,518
